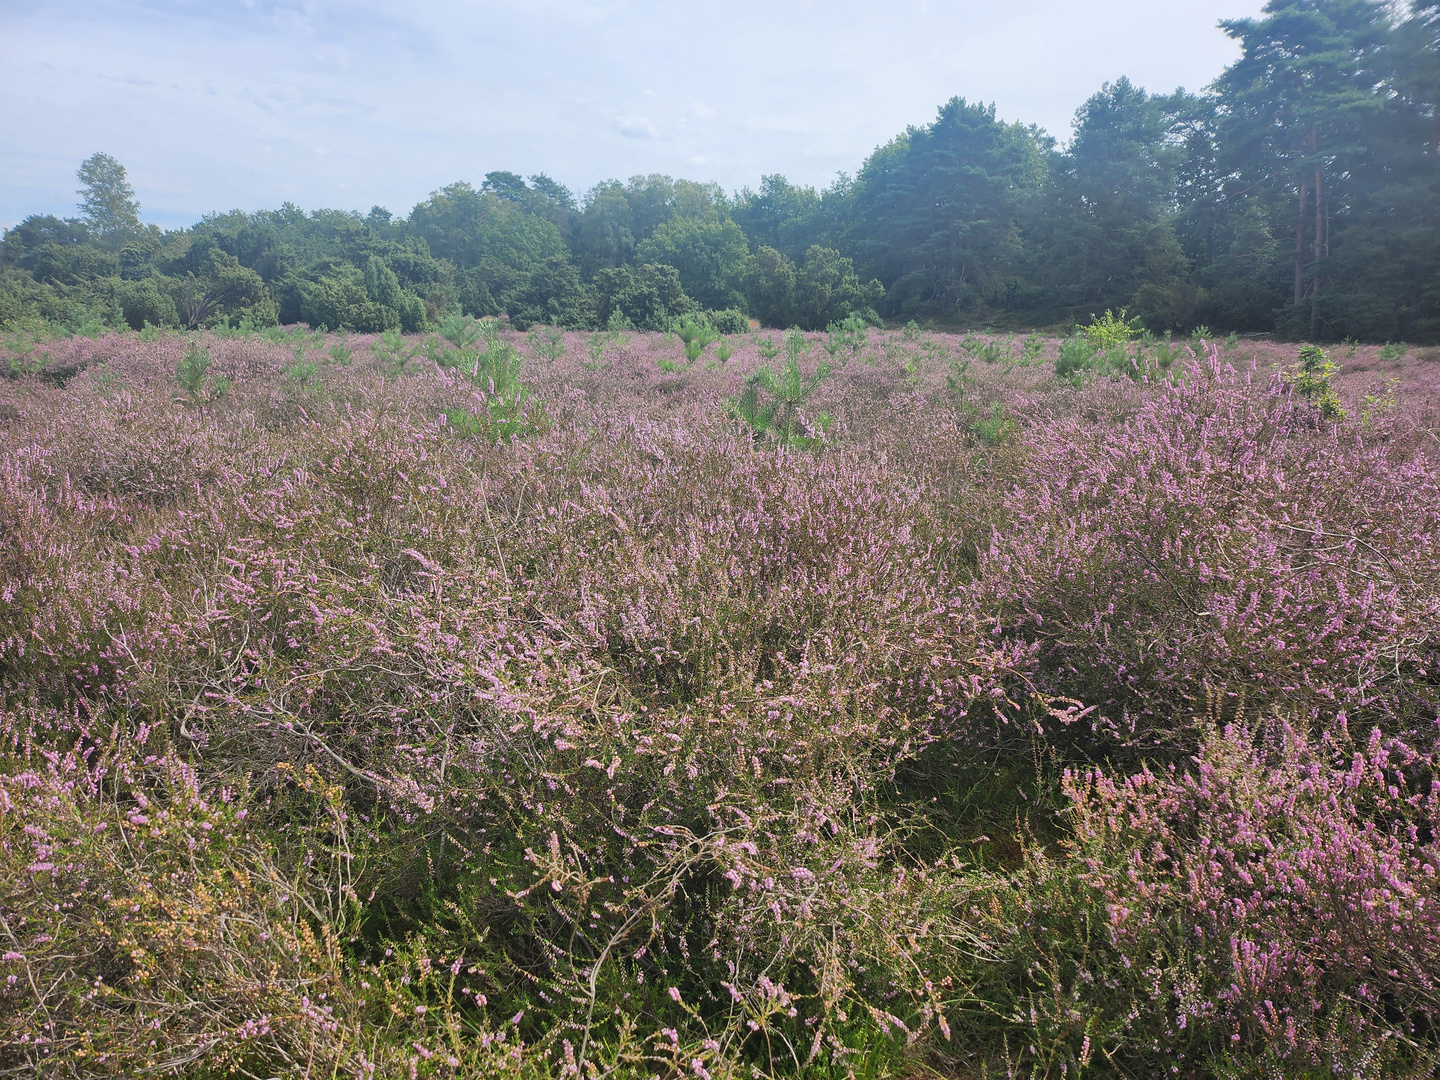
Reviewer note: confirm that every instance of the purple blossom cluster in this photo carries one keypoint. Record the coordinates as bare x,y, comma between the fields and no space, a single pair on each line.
340,734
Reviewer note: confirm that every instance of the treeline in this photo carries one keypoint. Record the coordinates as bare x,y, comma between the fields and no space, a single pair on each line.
1297,195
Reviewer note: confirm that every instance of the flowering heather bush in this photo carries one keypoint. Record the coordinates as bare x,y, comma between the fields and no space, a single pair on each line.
1273,904
342,739
1227,540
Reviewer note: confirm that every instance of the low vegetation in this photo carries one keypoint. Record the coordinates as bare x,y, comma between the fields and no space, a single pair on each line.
871,703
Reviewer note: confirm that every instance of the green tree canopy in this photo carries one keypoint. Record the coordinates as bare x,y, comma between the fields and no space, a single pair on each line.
605,232
648,297
781,215
1295,109
1103,236
707,252
937,208
822,290
107,201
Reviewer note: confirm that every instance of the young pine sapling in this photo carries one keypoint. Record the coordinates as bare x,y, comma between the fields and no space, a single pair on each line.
771,402
193,375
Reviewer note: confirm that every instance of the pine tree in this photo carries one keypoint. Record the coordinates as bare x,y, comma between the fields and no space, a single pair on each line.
1294,113
938,208
1103,232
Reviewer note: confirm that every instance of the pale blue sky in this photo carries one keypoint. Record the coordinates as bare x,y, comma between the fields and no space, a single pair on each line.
217,104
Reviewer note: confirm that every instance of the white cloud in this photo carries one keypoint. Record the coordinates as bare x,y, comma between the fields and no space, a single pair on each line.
638,127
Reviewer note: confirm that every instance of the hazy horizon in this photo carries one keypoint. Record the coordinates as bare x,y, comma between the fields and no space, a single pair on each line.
248,103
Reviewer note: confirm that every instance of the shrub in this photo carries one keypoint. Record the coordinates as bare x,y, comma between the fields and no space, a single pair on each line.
143,302
728,321
549,344
351,736
696,335
1262,912
146,924
1222,541
771,402
1109,330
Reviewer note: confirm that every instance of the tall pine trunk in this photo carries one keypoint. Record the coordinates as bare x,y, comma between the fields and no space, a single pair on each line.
1320,253
1300,245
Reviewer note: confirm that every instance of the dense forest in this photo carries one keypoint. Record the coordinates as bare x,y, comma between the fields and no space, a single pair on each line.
1297,195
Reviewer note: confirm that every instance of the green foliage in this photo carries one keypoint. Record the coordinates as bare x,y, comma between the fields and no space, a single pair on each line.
26,305
1109,330
497,245
1183,210
82,320
1376,406
728,321
498,366
850,335
145,302
554,295
994,427
208,285
990,352
548,343
599,344
647,298
392,353
25,357
339,301
1312,381
824,289
242,327
1393,351
771,403
937,209
460,330
724,350
1074,358
769,283
369,301
695,334
107,201
501,420
709,255
1104,232
302,372
1166,352
990,427
959,380
193,375
493,366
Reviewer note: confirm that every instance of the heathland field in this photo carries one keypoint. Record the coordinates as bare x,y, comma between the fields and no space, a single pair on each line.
879,703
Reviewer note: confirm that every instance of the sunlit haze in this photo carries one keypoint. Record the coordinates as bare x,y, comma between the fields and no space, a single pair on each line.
249,103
